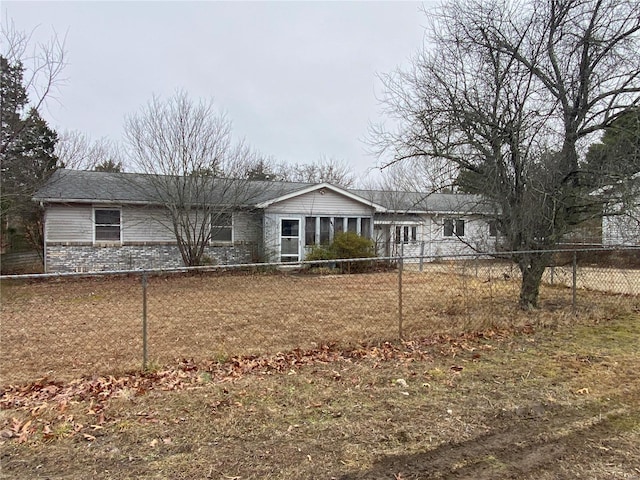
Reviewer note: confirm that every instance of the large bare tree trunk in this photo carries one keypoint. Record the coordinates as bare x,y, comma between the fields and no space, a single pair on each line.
508,93
532,267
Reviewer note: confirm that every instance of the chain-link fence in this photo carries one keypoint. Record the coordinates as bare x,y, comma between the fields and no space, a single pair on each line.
67,326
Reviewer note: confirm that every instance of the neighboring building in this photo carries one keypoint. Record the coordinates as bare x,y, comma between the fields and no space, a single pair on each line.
113,221
621,223
622,229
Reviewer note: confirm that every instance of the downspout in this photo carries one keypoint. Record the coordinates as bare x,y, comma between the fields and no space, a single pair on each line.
44,237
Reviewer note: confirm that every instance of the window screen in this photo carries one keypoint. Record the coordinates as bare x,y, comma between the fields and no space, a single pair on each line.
107,225
222,227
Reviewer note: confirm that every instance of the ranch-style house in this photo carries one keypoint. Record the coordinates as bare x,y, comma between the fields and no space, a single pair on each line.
97,221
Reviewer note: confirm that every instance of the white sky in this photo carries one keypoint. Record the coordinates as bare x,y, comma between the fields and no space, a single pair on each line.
297,79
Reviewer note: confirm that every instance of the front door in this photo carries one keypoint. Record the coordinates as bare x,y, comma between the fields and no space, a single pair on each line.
289,240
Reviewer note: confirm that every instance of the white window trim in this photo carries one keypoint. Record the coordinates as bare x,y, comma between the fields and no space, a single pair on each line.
300,239
406,239
332,229
94,224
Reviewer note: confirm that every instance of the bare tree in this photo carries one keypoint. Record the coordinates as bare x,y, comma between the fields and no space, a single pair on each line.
41,63
326,169
30,74
194,168
77,151
415,175
510,93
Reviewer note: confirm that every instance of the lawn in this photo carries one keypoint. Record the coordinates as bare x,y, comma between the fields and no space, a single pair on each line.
303,376
66,328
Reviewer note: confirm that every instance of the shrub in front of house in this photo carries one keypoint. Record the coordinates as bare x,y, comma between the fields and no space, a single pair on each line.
352,245
345,245
320,252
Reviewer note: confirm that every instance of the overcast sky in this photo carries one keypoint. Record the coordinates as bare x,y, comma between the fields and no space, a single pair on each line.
297,79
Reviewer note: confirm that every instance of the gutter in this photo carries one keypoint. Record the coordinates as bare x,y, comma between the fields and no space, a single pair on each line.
98,201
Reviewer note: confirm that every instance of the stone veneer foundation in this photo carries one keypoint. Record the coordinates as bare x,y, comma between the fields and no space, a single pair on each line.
95,258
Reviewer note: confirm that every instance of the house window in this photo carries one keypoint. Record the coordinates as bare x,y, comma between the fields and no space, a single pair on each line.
310,231
406,234
453,227
323,229
222,227
107,225
448,227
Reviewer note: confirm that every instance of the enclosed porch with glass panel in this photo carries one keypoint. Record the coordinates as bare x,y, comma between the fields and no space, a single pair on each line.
320,230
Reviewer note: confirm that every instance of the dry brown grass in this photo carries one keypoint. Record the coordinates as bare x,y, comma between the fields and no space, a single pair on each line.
552,403
64,329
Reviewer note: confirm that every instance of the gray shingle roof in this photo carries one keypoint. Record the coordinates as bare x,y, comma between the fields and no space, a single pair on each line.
416,202
73,186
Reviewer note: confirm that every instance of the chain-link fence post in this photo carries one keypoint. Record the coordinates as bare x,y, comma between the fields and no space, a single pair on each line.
400,268
574,286
144,321
421,255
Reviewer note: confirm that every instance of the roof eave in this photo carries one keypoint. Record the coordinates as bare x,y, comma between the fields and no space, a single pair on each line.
98,201
93,201
320,186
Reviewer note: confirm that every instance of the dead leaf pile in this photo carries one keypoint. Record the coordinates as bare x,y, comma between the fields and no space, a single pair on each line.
54,397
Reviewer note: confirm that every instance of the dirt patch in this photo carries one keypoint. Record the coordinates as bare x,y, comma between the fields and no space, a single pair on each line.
524,446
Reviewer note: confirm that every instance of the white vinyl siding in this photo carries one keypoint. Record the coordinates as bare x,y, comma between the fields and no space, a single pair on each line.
325,208
69,224
317,203
147,225
622,229
247,227
75,224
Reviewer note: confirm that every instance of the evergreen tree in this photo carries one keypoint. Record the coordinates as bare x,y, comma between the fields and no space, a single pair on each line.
13,98
27,157
109,165
261,170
